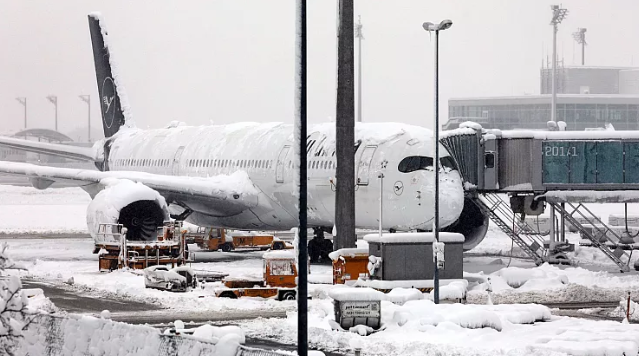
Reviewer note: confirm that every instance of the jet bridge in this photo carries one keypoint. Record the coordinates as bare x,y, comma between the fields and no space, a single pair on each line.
554,168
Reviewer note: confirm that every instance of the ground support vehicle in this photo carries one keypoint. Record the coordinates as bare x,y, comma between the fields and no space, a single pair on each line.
280,274
116,252
220,239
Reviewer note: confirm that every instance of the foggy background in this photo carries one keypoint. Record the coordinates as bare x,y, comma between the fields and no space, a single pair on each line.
226,61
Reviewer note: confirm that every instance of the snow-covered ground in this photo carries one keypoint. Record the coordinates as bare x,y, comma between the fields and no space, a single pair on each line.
63,211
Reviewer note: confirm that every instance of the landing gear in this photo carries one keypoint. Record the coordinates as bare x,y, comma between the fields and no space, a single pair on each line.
319,247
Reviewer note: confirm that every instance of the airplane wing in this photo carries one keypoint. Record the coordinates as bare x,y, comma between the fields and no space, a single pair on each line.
67,151
221,195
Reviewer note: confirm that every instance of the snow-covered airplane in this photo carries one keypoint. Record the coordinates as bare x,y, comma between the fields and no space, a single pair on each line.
242,175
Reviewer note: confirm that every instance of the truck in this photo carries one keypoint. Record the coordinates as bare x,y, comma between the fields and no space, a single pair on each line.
213,239
279,281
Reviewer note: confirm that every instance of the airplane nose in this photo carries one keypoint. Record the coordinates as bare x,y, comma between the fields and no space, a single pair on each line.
451,199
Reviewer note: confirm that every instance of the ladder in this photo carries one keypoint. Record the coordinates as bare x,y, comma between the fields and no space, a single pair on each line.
600,235
520,232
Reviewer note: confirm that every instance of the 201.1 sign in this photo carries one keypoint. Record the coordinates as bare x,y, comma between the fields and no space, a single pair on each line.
556,151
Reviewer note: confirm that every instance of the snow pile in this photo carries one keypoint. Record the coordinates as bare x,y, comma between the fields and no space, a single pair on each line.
455,290
84,335
356,294
402,295
418,313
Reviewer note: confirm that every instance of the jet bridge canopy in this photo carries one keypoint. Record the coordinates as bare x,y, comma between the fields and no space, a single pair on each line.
541,161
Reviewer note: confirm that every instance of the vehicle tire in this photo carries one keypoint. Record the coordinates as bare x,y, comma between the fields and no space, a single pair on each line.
290,295
226,247
228,294
278,245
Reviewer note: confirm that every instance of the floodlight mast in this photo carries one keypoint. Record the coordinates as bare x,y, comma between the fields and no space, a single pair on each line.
558,15
580,37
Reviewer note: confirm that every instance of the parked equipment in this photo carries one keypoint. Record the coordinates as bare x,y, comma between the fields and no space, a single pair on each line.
213,239
174,280
116,252
280,275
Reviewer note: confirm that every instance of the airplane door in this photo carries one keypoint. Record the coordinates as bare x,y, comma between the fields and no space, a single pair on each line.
279,167
175,168
364,166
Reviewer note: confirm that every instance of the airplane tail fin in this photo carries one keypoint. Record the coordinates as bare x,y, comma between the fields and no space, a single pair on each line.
113,104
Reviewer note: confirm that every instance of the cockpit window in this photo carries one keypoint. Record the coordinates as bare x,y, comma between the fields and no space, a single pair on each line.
448,163
415,163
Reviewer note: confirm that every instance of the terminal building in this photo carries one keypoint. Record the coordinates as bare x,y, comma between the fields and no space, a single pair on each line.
587,98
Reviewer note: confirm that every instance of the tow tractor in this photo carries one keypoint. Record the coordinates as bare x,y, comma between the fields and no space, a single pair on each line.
280,275
213,239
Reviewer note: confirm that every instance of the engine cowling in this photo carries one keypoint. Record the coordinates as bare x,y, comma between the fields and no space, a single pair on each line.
472,223
137,207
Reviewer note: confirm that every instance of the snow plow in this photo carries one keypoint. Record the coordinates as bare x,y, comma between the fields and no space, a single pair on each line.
116,252
214,239
280,275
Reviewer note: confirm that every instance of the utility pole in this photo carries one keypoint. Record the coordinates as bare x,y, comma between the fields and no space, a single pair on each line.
54,100
345,130
87,99
360,36
23,101
580,37
558,15
300,137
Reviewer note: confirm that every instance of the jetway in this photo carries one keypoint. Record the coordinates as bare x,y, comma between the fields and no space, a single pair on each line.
556,169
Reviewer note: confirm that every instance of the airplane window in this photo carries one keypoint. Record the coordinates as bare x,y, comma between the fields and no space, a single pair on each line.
448,162
414,163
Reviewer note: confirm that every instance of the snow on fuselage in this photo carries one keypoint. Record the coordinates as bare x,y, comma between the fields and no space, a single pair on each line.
265,152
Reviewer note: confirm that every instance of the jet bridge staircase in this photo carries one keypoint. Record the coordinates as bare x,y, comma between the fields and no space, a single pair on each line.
601,235
499,211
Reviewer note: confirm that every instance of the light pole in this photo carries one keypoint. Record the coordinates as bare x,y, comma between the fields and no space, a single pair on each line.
54,100
430,27
558,15
23,101
580,37
381,201
87,99
360,36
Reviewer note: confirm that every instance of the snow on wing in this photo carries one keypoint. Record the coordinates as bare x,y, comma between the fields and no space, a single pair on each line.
227,194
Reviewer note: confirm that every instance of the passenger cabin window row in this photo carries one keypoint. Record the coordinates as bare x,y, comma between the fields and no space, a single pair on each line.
142,162
223,163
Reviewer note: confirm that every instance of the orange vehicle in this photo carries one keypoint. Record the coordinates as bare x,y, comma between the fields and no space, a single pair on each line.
349,264
280,274
219,239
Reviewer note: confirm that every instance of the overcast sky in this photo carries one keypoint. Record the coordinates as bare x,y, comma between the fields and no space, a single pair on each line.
226,61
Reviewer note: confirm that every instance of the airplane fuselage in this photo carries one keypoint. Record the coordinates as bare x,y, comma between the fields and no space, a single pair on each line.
266,153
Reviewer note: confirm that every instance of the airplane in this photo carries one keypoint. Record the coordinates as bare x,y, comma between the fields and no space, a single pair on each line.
242,175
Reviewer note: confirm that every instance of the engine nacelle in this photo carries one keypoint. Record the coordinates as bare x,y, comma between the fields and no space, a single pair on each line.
139,208
472,223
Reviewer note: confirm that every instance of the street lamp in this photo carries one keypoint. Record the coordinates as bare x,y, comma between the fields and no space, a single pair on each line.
23,101
54,100
430,27
87,99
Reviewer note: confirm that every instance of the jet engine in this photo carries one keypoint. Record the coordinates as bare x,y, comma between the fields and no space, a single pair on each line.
137,207
472,223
